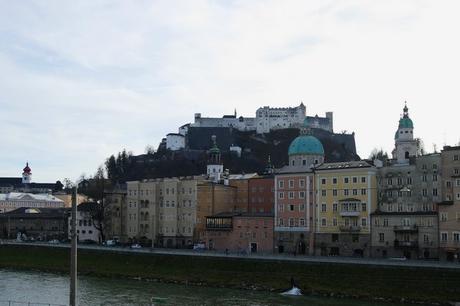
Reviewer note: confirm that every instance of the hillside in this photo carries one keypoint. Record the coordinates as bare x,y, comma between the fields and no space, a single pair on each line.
255,151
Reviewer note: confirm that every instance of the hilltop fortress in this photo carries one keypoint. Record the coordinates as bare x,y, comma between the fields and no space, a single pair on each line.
267,119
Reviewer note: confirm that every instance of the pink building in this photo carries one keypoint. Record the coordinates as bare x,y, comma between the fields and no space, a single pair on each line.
240,232
294,196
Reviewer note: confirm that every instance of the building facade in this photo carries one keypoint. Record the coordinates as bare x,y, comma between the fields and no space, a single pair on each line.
38,223
14,200
406,222
267,119
294,195
115,210
87,230
346,196
261,194
163,211
242,233
449,207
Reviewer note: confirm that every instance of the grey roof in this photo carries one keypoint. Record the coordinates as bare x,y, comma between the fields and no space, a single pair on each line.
344,165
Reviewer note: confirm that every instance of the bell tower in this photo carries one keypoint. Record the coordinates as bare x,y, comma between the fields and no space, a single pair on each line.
405,144
215,167
26,174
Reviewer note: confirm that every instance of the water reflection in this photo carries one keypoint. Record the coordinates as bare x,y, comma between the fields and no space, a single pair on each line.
42,287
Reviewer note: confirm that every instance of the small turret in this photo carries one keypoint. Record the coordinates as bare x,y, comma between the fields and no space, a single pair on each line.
26,174
215,167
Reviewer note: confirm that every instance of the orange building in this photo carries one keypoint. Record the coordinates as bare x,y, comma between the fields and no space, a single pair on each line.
261,195
212,199
241,233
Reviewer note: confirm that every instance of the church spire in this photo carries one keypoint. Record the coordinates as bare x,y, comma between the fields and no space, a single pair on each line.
405,110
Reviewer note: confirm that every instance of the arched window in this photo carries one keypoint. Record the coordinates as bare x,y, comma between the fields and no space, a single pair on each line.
406,155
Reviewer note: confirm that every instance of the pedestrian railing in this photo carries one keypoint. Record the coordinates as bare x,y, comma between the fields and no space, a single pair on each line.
21,303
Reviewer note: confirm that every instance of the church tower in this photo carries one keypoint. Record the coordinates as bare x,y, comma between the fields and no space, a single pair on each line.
405,144
215,166
26,175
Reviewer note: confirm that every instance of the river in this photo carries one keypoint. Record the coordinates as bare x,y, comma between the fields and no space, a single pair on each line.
39,287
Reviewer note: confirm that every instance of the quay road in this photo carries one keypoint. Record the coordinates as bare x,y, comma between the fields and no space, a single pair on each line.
278,257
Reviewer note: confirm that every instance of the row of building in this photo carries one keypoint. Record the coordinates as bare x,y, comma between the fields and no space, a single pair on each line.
406,206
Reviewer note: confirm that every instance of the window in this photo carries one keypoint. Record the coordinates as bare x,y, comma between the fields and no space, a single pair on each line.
334,222
390,181
291,183
424,192
426,238
302,183
435,177
291,195
355,192
455,157
364,222
457,182
281,184
409,180
302,207
363,179
281,195
363,191
355,180
399,181
323,222
302,222
443,217
323,193
346,192
302,195
456,237
323,181
291,207
435,192
280,207
444,236
363,206
291,222
323,207
385,222
346,180
334,180
381,237
280,222
334,192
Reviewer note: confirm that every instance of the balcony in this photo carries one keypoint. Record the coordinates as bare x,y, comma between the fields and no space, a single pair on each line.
219,223
406,244
350,228
350,213
407,229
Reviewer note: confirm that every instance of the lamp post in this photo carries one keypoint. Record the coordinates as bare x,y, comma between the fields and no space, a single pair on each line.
73,256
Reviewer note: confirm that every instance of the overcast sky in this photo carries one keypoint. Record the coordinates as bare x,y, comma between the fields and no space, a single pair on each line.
80,80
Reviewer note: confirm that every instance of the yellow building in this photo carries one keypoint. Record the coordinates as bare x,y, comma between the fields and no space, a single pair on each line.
346,196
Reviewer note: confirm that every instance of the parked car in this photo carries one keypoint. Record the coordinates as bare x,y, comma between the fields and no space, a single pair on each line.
199,247
110,243
54,241
135,246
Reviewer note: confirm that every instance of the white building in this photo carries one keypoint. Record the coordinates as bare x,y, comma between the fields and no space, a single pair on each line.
14,200
268,119
85,224
405,144
175,142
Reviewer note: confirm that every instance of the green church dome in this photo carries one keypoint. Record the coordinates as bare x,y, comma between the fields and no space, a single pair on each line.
306,145
406,123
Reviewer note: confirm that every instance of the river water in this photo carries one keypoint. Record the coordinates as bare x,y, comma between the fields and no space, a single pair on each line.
39,287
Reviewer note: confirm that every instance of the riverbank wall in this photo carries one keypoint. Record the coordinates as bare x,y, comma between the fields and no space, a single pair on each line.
398,284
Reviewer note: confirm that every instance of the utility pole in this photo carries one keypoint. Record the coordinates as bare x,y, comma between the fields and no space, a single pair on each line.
73,254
